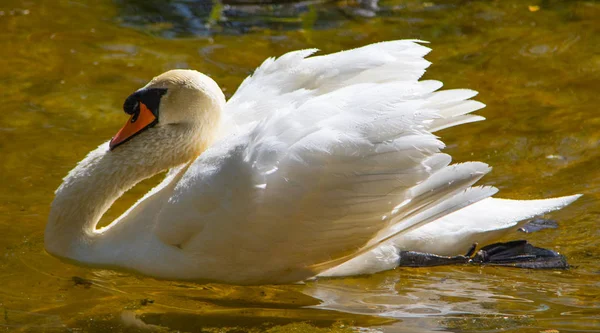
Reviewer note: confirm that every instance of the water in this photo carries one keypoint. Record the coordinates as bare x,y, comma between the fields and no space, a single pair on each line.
67,67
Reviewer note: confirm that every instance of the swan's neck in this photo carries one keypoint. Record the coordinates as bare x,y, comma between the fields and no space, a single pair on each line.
102,177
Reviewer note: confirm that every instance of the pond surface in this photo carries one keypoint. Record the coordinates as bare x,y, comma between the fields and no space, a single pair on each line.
66,67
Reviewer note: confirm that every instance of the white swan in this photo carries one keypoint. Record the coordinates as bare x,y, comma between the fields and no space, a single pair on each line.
321,165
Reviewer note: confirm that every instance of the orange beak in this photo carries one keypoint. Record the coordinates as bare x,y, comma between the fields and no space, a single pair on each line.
135,125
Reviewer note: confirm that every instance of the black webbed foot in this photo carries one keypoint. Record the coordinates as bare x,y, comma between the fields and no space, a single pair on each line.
519,254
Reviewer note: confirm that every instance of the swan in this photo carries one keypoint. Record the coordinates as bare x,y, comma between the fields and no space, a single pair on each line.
317,166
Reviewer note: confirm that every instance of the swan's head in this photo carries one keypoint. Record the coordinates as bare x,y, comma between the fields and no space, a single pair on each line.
175,101
172,120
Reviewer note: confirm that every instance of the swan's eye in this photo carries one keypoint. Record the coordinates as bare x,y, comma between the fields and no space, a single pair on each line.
136,112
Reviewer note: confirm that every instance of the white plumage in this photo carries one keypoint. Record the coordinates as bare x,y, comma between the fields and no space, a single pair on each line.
322,165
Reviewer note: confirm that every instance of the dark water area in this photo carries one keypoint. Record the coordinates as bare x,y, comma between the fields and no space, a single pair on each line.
67,66
180,19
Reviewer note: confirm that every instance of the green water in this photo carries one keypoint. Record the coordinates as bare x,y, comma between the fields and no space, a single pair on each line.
66,67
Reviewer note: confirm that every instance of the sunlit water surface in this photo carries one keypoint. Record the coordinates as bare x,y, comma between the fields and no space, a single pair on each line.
66,67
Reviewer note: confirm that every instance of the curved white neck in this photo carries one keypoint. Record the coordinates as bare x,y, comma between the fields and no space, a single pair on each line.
91,188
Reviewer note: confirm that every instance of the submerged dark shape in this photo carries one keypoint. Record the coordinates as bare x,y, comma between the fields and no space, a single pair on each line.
538,224
179,18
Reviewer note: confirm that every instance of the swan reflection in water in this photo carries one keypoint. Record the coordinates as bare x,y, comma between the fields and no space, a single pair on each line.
397,301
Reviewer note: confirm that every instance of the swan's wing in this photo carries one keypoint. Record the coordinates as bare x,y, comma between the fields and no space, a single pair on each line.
328,157
294,78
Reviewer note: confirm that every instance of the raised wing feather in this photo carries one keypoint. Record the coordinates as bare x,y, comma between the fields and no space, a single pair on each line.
293,78
322,158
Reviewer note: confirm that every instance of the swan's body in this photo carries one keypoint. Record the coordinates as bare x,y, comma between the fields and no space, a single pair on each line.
322,165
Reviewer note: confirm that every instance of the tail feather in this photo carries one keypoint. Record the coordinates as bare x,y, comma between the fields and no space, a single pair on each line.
483,222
